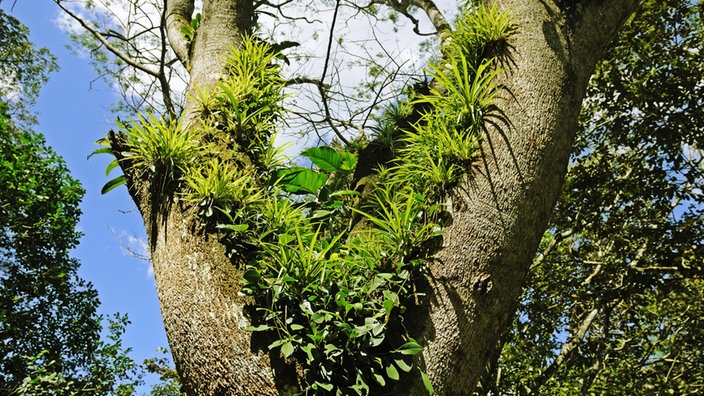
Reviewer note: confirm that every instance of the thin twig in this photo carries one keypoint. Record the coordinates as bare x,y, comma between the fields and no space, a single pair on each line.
124,57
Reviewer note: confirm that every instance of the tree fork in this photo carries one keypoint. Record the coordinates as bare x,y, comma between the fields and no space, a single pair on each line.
474,281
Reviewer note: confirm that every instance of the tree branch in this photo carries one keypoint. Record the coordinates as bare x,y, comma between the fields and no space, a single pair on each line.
98,35
178,15
163,81
321,87
442,26
567,349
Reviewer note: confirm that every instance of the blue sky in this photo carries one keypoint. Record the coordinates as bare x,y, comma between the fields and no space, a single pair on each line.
74,111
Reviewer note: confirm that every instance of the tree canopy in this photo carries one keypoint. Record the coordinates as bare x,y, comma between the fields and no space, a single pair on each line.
614,302
52,340
49,327
23,68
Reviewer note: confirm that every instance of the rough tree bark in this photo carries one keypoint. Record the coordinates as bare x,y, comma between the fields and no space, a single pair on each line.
476,279
498,220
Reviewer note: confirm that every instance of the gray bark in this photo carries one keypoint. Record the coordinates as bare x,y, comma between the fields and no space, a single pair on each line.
500,216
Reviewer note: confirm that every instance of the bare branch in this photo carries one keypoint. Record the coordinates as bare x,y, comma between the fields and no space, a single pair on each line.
557,238
321,87
99,36
436,17
280,8
163,80
567,349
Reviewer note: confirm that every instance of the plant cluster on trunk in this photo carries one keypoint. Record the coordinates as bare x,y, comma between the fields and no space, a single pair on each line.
426,259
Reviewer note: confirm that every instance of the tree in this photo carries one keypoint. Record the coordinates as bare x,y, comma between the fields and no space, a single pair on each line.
49,327
50,333
623,250
238,239
23,67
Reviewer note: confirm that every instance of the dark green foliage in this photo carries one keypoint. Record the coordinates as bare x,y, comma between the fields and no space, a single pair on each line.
615,306
335,297
24,68
169,383
49,329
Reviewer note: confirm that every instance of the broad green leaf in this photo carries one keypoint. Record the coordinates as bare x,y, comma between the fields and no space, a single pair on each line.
252,275
410,348
403,365
325,158
287,349
318,317
285,239
296,327
349,162
388,305
379,379
298,180
392,373
118,181
426,382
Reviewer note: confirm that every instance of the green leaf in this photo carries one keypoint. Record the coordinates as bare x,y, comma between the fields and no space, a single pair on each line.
112,165
388,305
318,317
296,327
308,349
403,365
326,386
379,379
262,327
361,386
233,227
102,150
426,382
252,275
325,158
392,373
285,239
410,348
349,162
298,180
278,47
287,349
118,181
276,343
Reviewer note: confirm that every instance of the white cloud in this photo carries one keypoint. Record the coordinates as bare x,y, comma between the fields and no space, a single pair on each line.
136,247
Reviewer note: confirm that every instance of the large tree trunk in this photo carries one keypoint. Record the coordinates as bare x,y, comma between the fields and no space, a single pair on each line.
501,215
198,286
498,218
